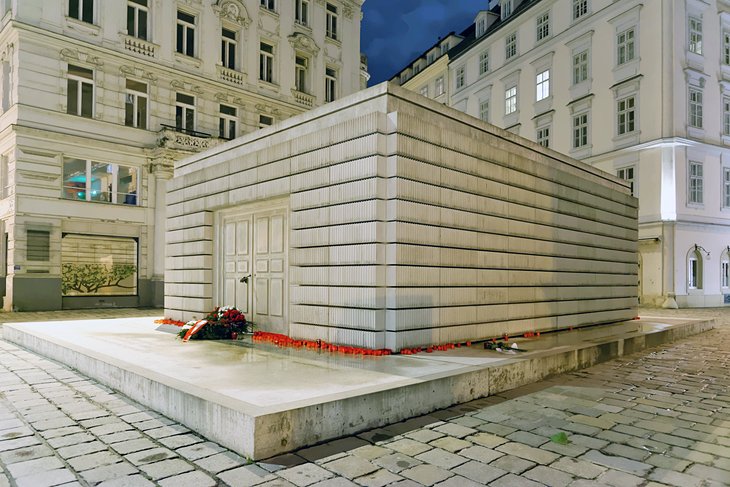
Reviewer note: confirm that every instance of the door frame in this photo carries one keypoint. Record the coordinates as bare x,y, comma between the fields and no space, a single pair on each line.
241,211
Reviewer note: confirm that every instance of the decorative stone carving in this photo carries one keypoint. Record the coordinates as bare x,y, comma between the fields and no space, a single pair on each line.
302,42
69,54
162,167
186,86
233,11
178,141
347,11
261,108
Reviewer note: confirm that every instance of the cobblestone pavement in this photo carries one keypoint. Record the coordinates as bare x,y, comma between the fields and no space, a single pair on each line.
661,417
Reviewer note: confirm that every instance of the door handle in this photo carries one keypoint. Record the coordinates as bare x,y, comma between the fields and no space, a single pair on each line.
244,278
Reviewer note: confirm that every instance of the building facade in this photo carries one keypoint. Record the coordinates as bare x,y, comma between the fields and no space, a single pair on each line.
638,89
99,98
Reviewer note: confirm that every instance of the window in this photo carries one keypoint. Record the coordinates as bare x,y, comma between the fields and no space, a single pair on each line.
484,110
580,67
444,48
184,111
439,85
484,62
460,77
82,10
510,100
726,187
80,91
265,121
694,270
301,12
185,33
726,48
94,266
268,4
580,8
85,180
695,35
506,9
266,62
424,90
6,189
228,48
481,27
300,74
696,183
627,174
543,26
726,116
38,246
510,45
543,136
331,21
543,85
695,108
227,122
135,104
626,115
137,15
330,84
725,271
431,57
580,130
625,42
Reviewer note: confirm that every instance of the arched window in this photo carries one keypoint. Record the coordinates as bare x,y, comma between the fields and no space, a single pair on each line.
725,271
694,269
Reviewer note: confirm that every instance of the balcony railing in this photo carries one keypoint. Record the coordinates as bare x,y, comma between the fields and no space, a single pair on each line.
231,75
304,99
139,46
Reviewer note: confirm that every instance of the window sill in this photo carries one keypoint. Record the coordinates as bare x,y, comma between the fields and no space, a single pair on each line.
109,203
305,27
695,132
627,139
725,72
695,61
581,152
725,139
188,60
268,85
696,206
336,42
512,118
268,11
627,69
83,27
581,89
544,105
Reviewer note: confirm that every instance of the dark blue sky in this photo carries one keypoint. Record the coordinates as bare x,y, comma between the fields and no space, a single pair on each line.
396,31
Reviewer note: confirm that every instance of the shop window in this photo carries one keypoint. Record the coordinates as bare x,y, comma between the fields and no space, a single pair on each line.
95,265
85,180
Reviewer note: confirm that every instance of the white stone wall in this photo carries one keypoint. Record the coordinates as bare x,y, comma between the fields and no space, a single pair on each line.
410,226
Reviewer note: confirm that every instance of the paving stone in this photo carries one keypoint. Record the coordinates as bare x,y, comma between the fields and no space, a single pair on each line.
108,472
166,468
512,480
424,435
379,478
450,444
408,446
513,464
221,461
548,476
579,468
458,481
131,446
81,449
620,479
55,433
455,430
569,450
130,481
527,438
712,449
120,437
25,454
165,431
46,479
336,482
17,443
30,467
710,473
671,477
529,453
670,463
70,440
150,456
588,441
200,450
496,429
626,451
110,428
243,476
190,479
53,424
94,460
691,455
441,458
487,439
179,441
351,467
371,452
427,474
396,462
618,463
307,474
480,454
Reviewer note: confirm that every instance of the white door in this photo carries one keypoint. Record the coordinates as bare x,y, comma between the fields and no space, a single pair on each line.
254,267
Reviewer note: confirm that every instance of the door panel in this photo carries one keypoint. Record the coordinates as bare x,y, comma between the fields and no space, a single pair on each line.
236,265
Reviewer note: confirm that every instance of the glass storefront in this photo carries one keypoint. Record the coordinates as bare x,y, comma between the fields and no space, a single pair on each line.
94,266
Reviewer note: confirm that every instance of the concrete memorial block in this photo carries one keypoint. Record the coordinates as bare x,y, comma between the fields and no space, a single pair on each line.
388,220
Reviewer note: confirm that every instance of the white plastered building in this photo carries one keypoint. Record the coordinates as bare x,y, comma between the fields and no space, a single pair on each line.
640,89
100,97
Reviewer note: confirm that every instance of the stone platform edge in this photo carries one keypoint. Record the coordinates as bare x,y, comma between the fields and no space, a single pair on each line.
265,435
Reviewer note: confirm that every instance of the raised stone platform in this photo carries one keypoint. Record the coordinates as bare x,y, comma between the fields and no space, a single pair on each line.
260,400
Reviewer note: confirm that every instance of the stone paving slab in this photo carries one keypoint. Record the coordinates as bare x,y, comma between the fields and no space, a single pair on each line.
502,440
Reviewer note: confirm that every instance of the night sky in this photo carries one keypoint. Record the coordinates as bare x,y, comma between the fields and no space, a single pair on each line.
394,32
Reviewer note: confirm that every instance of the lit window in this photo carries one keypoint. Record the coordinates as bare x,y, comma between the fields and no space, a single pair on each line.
85,180
510,100
228,48
626,45
695,35
543,85
626,115
330,85
80,91
439,85
332,21
580,130
484,110
82,10
696,183
227,122
695,108
266,62
135,106
726,187
184,111
543,26
484,62
627,174
268,4
185,33
301,12
137,15
580,67
510,45
543,136
580,8
460,75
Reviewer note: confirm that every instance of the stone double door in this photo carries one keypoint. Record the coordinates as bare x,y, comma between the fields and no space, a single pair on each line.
253,251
